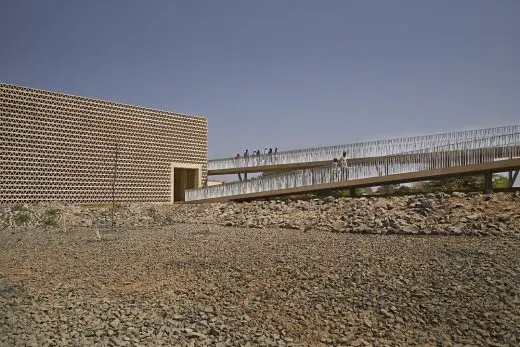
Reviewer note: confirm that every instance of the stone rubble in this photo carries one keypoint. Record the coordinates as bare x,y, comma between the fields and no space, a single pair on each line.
187,285
198,285
430,214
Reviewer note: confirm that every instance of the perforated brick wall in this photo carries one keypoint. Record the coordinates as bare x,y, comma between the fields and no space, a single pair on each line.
60,147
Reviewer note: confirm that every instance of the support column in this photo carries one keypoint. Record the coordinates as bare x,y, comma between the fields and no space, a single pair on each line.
245,176
387,187
512,178
239,177
488,180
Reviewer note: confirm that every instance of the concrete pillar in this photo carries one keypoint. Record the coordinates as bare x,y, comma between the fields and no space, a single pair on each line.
512,178
488,180
385,189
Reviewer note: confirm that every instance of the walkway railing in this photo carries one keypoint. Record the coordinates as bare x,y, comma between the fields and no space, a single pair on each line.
361,149
471,152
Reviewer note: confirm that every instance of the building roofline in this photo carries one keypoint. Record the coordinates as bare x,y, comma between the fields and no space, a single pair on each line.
2,84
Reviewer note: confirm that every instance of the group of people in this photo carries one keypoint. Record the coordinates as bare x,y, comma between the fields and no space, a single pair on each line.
257,153
341,162
338,175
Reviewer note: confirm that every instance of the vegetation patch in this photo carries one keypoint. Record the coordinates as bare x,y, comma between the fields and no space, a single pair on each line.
19,207
51,217
22,218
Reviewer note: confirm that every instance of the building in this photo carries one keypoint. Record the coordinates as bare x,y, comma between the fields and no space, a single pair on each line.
57,147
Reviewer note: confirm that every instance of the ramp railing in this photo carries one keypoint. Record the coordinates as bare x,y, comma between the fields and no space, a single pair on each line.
471,152
361,149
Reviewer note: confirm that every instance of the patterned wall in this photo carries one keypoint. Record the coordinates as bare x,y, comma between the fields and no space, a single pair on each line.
61,147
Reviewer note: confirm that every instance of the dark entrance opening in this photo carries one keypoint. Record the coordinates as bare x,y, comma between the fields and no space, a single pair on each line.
183,179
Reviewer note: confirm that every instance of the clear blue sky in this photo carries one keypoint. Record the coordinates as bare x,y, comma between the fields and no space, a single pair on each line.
286,73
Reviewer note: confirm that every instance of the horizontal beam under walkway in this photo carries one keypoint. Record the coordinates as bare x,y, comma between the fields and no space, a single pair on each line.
313,157
490,167
268,168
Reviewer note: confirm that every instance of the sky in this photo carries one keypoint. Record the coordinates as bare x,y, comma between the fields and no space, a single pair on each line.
278,73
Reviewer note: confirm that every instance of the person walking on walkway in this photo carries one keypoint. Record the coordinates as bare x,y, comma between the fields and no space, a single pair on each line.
334,170
246,158
342,163
343,160
237,157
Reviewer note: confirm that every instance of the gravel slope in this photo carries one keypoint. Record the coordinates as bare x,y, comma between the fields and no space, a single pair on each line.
198,285
424,214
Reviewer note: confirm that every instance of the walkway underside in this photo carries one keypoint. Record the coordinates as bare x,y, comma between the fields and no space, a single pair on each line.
497,166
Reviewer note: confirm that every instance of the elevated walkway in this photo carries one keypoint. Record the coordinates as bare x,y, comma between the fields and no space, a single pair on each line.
357,152
485,155
498,166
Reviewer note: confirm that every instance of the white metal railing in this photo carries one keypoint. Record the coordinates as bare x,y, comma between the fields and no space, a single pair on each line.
464,153
360,150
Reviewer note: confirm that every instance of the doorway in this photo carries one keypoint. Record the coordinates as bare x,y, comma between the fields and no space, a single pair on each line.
184,176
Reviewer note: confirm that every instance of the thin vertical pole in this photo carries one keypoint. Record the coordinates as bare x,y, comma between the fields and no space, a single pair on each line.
114,184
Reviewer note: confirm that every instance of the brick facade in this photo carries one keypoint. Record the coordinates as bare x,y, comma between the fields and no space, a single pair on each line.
60,147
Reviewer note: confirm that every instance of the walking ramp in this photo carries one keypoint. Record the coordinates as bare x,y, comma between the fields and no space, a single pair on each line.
492,153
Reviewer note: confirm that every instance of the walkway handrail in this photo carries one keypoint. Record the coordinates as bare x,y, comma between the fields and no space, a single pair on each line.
361,149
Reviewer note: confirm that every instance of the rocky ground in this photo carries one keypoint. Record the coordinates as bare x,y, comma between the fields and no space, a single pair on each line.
430,214
277,277
189,285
